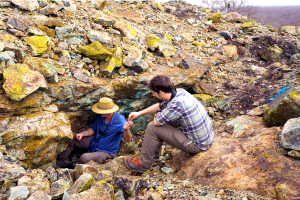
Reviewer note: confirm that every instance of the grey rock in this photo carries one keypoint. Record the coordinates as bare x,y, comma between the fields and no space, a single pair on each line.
290,136
80,76
30,5
58,188
39,195
6,55
82,183
62,31
18,193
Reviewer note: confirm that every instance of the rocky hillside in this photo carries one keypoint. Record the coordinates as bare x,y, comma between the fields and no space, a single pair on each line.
57,58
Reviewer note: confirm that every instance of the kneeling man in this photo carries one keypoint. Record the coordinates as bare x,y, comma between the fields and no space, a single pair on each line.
180,120
102,140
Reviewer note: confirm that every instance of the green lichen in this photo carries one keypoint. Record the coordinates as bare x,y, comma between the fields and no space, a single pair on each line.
217,16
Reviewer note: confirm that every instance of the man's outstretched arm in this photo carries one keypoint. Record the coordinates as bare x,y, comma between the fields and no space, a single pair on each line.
150,110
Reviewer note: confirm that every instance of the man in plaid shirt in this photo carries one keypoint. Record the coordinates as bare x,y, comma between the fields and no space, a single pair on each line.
180,121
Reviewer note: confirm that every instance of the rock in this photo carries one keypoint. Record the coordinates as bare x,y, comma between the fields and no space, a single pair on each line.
281,191
294,154
290,134
102,19
230,51
19,53
6,55
18,23
83,183
166,50
258,70
133,60
38,44
18,193
35,183
100,4
95,51
102,37
130,185
51,9
62,31
107,67
77,73
10,171
248,25
81,169
99,190
53,22
125,29
58,188
187,37
66,174
20,81
50,32
46,133
29,5
160,7
216,18
226,34
288,29
234,17
39,195
205,100
153,42
47,67
282,108
271,54
117,166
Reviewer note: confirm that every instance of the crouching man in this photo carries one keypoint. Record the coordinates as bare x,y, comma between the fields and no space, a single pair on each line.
180,120
102,140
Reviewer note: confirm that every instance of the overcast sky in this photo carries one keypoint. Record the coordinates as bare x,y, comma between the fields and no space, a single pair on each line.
257,2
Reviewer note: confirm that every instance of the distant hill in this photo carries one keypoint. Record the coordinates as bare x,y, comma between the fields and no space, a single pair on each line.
278,16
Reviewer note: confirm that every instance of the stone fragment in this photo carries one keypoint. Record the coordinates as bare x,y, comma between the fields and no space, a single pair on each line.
230,51
18,193
102,19
129,184
294,154
20,81
126,30
51,9
102,37
10,171
271,54
49,31
258,70
99,190
58,188
281,191
134,60
248,25
153,42
100,4
52,21
205,100
288,29
5,37
216,18
166,50
117,166
81,169
223,103
187,37
6,55
77,73
95,51
19,53
29,5
160,7
39,195
62,31
83,183
234,17
290,134
35,183
15,32
226,34
107,67
282,108
47,67
38,44
18,23
66,174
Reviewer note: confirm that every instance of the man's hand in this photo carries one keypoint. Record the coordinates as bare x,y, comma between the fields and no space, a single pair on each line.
79,136
155,122
128,125
133,115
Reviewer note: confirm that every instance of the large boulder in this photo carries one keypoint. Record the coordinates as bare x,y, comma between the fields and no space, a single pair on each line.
284,107
271,54
253,160
47,67
42,136
20,81
290,136
234,17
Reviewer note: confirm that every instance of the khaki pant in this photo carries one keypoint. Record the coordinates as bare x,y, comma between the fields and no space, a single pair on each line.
156,135
63,159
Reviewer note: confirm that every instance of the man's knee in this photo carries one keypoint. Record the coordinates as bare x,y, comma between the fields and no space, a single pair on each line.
84,158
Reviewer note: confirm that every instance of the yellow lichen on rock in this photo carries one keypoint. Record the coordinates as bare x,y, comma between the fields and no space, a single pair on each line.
38,43
126,30
153,42
95,51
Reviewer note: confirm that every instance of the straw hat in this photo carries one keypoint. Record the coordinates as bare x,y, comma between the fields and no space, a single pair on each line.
105,106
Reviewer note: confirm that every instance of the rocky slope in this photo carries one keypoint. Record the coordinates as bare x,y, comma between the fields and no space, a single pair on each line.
59,57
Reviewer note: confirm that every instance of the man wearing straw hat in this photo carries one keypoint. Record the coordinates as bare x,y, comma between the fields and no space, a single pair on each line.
102,140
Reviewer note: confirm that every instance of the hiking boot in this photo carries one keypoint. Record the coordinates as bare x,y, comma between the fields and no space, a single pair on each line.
134,164
155,157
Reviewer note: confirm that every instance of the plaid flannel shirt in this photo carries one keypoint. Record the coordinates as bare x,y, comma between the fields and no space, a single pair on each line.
192,117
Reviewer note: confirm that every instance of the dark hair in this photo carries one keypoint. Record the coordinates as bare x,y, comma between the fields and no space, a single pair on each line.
160,83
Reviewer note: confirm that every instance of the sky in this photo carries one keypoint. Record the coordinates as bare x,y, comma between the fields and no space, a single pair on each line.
257,2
